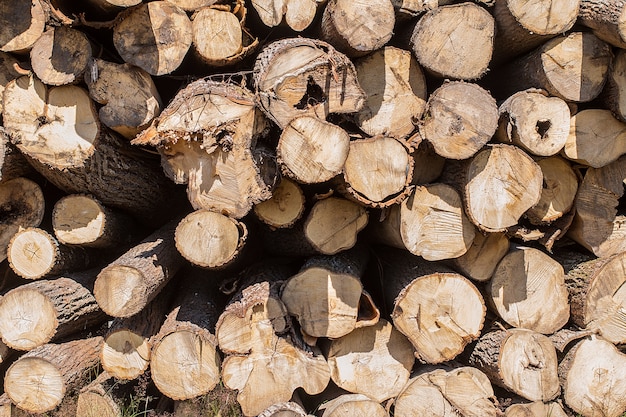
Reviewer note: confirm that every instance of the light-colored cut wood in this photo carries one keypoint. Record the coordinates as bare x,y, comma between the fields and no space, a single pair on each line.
535,409
482,257
284,208
607,18
192,5
408,9
96,399
421,398
614,94
9,70
22,24
285,409
298,14
352,405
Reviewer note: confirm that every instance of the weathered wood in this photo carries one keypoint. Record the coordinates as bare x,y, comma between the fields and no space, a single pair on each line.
607,18
9,70
192,5
298,14
284,409
421,398
614,94
482,257
427,164
352,405
22,24
408,9
535,409
284,208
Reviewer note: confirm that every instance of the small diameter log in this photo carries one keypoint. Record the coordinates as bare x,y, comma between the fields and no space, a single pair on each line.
39,379
482,257
375,361
614,94
535,409
65,305
348,405
439,311
58,130
520,360
593,378
284,208
97,400
298,14
60,56
154,36
206,138
22,205
395,88
522,26
596,138
607,18
33,253
22,24
358,28
535,122
300,76
430,223
210,240
129,283
109,84
326,295
572,67
460,118
455,41
311,150
596,225
528,291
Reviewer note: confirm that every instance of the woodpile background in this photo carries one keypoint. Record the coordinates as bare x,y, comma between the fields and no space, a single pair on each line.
339,208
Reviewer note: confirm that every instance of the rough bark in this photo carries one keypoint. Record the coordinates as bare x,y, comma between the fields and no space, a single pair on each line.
607,18
22,24
284,208
482,257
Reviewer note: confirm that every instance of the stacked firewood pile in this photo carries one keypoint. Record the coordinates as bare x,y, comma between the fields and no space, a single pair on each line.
335,207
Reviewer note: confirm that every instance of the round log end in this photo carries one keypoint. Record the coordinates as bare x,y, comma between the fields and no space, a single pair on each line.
125,354
120,290
78,220
34,385
23,327
32,253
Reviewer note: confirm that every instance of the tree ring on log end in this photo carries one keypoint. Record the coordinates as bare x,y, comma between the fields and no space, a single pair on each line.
23,326
118,289
34,384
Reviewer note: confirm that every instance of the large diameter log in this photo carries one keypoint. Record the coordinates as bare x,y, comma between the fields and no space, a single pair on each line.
439,311
592,374
298,14
455,41
154,36
460,118
207,139
348,405
65,305
607,18
284,208
300,76
482,257
58,130
395,88
129,283
39,379
528,291
519,360
22,24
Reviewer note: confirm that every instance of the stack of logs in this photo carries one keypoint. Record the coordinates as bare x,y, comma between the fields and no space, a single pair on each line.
407,207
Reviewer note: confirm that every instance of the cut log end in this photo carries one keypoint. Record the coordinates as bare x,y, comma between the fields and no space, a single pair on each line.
33,253
120,290
285,206
125,354
35,384
22,326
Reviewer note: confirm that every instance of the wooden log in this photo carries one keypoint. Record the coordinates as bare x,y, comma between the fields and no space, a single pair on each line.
395,88
482,257
284,208
109,84
597,225
285,409
298,14
96,399
421,398
612,96
535,122
129,283
206,137
596,138
12,162
439,311
430,223
9,70
520,360
528,291
592,375
455,41
33,253
352,405
193,5
300,76
427,164
460,118
65,305
535,409
409,9
58,130
39,379
22,24
22,205
607,18
154,36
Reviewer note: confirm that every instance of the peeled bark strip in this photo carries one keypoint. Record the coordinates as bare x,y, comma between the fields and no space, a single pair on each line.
375,361
210,240
614,94
357,28
439,311
482,257
22,24
572,67
596,138
460,118
65,305
430,223
523,26
311,150
207,139
535,122
520,360
593,378
528,291
349,405
60,56
128,284
109,84
395,88
96,399
596,225
326,295
22,205
284,208
154,36
455,41
300,76
39,379
298,14
58,130
535,409
33,254
607,18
